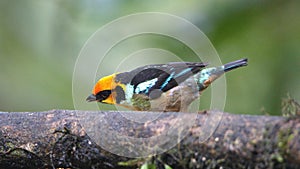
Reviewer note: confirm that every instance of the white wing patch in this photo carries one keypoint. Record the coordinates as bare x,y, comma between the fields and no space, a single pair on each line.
145,86
129,92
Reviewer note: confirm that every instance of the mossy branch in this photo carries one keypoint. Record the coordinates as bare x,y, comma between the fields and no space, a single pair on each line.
55,139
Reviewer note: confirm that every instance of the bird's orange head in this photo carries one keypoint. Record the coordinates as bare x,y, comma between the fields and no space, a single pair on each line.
105,90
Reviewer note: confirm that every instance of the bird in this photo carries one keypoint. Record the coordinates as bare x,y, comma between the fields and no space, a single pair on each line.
169,87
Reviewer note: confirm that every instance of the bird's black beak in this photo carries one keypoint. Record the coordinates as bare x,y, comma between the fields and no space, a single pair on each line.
91,98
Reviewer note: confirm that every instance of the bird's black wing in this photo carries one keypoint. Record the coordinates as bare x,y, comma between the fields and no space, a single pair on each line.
159,77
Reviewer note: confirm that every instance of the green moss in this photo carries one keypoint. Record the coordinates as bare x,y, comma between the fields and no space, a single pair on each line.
7,147
131,162
284,137
290,107
148,166
146,163
141,102
278,157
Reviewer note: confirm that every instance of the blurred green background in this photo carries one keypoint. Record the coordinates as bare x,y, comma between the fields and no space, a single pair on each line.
40,41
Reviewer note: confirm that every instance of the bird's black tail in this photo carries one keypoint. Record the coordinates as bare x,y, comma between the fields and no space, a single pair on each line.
235,64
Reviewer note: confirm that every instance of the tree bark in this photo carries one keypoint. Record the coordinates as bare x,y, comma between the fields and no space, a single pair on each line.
56,139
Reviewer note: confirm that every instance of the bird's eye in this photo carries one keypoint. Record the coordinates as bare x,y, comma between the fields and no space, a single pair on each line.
103,95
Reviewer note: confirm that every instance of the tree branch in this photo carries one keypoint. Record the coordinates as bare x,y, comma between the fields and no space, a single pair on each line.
56,139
